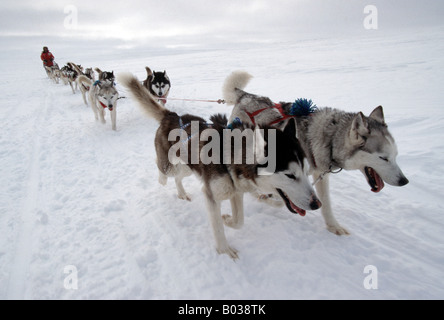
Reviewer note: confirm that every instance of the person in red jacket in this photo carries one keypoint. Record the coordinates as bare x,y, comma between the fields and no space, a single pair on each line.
47,57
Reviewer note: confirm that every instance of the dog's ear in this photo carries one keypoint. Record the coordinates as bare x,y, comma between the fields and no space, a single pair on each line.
359,130
290,128
378,115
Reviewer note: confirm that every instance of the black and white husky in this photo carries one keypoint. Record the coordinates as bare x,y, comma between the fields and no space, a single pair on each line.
226,178
332,140
158,84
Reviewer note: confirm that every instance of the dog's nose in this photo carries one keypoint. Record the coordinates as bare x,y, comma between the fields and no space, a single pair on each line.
403,181
315,204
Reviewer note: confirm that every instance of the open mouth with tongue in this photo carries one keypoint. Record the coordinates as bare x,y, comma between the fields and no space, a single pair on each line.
373,179
290,205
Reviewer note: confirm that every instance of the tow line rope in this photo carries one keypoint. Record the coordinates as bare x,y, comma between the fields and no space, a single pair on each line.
220,101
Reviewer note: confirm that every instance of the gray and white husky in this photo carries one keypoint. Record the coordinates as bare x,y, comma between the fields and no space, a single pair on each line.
332,140
89,73
102,96
226,180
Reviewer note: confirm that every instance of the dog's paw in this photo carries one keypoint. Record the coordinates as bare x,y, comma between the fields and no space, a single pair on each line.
163,180
231,252
271,200
184,196
338,230
229,222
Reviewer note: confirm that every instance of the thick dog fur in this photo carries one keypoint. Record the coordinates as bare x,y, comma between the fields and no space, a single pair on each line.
226,181
332,139
106,76
89,73
101,96
158,84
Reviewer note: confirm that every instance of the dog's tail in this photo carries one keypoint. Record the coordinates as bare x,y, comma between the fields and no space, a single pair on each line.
99,72
233,86
84,80
75,67
146,101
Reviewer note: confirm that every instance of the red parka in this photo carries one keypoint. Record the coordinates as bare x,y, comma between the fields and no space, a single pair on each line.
47,58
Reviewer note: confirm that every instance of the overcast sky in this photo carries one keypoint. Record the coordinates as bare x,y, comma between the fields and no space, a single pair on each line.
190,20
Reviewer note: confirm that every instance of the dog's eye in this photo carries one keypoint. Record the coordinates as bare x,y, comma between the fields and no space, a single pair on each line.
291,176
384,159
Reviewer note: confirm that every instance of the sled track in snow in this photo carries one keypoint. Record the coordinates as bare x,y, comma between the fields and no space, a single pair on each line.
26,217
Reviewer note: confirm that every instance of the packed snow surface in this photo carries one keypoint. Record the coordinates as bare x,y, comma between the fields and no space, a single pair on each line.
82,215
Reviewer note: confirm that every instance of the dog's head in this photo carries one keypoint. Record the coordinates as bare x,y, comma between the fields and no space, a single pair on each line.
107,77
89,73
107,96
158,83
288,177
374,151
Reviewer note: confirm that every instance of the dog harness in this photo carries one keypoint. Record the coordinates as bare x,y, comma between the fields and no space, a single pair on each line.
300,108
276,106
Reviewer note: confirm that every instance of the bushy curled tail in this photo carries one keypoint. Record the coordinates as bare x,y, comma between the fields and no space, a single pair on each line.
85,80
233,86
145,100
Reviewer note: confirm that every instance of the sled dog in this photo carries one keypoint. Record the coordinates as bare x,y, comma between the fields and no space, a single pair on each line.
105,76
332,140
70,71
224,180
158,84
102,96
89,73
54,72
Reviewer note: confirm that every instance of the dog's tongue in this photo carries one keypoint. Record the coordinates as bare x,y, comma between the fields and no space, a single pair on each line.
379,183
301,212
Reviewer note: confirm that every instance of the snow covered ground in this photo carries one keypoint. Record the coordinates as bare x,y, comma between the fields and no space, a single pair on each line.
80,204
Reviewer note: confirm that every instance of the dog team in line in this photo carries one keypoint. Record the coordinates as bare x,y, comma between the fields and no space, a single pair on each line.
320,142
102,93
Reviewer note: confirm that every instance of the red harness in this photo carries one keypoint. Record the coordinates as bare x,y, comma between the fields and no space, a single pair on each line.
276,106
104,106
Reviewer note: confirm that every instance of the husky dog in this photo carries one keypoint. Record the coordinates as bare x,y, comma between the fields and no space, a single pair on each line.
89,73
70,70
158,84
105,76
332,140
227,181
102,96
54,72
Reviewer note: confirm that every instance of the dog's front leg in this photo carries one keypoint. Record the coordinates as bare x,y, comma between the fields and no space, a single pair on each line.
94,107
214,214
236,220
323,190
72,88
101,112
113,118
269,199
